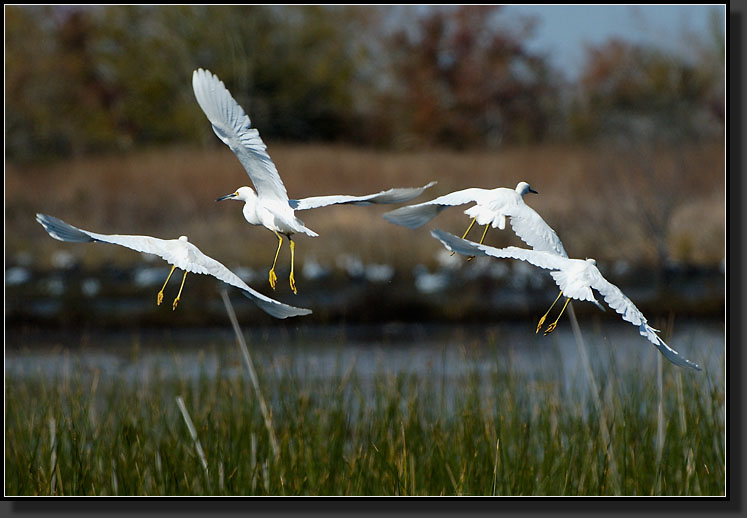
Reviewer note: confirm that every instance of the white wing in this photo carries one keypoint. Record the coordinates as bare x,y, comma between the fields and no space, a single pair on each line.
204,264
172,251
394,195
62,231
625,307
546,260
233,127
414,216
532,229
611,293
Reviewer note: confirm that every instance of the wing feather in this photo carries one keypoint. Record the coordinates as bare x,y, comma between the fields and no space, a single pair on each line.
414,216
538,258
617,300
207,265
62,231
533,230
394,195
233,126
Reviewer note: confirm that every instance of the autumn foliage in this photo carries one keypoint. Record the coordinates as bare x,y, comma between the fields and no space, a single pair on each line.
83,80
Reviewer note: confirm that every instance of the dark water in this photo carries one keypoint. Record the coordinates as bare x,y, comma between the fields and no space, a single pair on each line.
318,352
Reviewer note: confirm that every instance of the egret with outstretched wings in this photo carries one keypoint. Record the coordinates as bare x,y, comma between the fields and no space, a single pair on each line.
576,278
180,253
492,207
269,206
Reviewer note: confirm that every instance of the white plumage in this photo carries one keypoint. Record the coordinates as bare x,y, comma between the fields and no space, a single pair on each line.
576,278
178,252
270,205
492,207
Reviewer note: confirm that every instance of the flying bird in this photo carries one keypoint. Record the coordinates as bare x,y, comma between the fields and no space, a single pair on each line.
180,253
492,208
269,206
576,278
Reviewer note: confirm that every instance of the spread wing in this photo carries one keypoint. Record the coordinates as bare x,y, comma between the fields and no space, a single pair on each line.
62,231
209,266
414,216
233,127
546,260
532,229
617,300
394,195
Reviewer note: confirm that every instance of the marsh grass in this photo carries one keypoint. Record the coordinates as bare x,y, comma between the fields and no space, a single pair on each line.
491,428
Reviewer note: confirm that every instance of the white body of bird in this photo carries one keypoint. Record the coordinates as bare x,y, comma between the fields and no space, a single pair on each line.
576,278
492,207
178,252
270,205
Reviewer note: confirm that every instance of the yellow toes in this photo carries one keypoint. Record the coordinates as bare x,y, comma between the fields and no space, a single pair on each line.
273,278
551,328
293,283
539,325
176,301
159,299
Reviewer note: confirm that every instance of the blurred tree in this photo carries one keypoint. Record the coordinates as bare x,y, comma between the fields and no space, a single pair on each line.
460,78
83,79
110,77
644,93
51,79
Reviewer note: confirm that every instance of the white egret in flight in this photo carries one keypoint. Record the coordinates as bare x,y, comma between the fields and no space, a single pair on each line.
576,278
180,253
269,206
492,208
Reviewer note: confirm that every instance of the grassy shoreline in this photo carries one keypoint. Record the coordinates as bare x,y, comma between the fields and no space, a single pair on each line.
492,427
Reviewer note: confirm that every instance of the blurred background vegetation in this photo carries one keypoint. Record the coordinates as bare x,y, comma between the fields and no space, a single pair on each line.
94,79
102,130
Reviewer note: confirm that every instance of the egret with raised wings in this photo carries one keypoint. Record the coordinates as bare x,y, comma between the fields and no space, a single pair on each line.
576,278
180,253
269,206
492,208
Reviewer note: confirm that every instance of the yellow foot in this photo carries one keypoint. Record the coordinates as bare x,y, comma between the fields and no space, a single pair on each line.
551,328
293,283
470,257
273,279
176,301
539,325
159,299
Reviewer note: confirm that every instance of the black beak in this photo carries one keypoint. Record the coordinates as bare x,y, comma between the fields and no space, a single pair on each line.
227,197
532,191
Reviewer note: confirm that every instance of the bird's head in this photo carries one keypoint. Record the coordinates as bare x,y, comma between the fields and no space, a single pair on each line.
183,238
242,193
522,188
592,261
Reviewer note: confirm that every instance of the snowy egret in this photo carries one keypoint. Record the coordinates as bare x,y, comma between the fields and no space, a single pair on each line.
180,253
492,207
269,206
576,278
